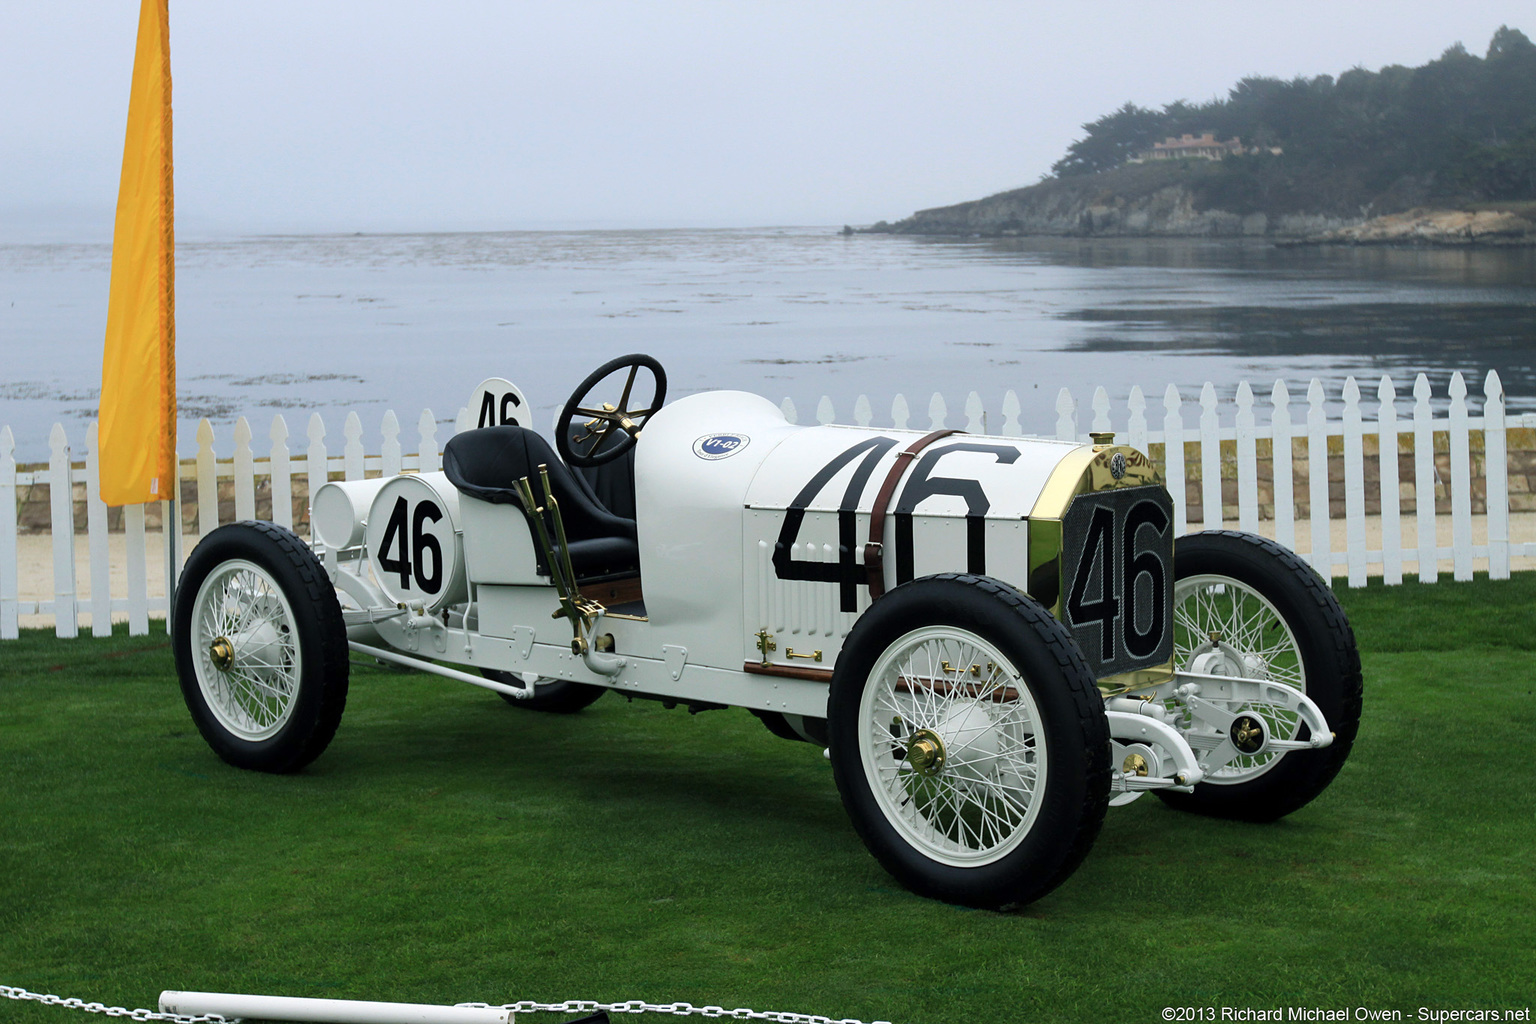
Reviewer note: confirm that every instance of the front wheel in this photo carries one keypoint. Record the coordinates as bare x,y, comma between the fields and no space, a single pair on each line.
968,741
1246,606
261,650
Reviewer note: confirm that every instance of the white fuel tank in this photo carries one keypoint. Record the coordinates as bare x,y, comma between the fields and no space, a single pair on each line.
339,511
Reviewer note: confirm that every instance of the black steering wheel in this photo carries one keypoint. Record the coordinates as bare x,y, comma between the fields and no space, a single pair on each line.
590,431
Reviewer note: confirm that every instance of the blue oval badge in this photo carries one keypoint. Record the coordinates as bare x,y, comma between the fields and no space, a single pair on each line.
720,446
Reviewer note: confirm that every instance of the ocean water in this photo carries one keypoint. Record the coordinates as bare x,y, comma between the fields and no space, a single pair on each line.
373,322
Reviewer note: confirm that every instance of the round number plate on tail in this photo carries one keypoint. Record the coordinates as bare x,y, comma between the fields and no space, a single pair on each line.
498,402
415,541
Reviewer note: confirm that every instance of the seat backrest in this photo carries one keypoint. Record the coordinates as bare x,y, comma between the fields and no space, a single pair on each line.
613,483
487,463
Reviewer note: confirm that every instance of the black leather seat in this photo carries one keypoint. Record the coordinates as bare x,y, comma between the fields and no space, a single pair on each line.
613,483
486,464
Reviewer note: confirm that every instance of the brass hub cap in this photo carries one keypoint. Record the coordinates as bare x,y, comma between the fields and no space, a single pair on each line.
1134,764
926,752
222,652
1247,734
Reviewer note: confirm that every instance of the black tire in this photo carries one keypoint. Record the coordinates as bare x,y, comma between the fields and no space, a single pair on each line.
1052,688
1328,660
556,696
290,651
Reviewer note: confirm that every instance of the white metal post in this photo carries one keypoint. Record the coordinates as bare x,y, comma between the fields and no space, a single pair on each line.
326,1011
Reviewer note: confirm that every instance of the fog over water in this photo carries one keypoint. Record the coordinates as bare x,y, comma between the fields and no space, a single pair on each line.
374,322
337,115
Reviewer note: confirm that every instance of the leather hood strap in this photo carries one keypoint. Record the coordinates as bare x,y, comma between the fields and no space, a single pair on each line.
874,550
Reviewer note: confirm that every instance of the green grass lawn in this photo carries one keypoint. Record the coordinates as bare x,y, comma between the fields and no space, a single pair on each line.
448,847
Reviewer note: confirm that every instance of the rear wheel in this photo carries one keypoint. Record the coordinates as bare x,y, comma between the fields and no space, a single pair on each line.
1246,606
968,741
261,651
557,696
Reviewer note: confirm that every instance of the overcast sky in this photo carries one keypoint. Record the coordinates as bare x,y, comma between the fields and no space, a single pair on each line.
343,115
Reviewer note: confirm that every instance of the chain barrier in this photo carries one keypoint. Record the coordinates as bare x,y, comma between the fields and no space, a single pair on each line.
675,1009
111,1011
586,1006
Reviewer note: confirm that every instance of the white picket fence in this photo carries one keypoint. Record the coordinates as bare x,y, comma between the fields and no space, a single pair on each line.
1288,422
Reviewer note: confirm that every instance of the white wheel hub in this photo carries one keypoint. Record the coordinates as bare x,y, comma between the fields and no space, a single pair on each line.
970,731
1225,660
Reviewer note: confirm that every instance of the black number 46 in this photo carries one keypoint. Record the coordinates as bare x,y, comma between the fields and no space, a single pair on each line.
1107,582
415,553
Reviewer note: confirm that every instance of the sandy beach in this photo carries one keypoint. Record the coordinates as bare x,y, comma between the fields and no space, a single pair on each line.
36,577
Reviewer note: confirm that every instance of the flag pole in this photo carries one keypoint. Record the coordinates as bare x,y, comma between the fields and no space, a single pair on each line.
172,531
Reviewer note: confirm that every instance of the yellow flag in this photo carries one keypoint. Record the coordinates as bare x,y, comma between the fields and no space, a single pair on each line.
137,436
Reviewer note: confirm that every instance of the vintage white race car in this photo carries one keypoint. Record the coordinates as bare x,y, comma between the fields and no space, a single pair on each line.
993,638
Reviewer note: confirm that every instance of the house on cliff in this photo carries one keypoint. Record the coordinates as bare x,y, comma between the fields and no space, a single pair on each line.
1196,147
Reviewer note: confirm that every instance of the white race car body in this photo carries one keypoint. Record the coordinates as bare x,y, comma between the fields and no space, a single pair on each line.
990,636
761,537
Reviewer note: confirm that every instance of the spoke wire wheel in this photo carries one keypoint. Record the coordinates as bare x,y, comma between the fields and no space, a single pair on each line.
248,663
978,802
1273,617
981,782
261,647
1251,639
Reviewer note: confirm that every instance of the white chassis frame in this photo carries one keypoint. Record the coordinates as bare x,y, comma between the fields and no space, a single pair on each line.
1180,728
531,654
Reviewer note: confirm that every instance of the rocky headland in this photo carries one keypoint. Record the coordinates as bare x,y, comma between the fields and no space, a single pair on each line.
1138,200
1174,200
1508,227
1441,154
